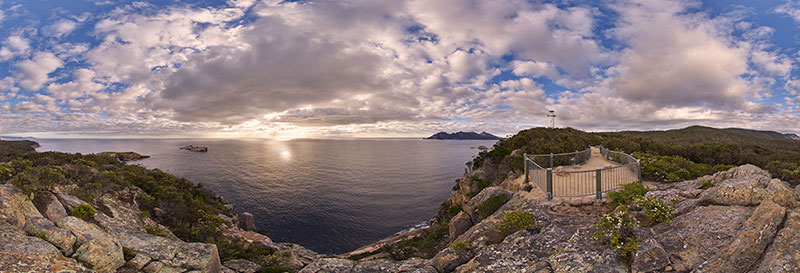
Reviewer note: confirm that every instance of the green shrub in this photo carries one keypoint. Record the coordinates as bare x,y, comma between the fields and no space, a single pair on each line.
459,246
706,184
657,210
627,194
128,253
42,236
83,211
616,230
38,178
514,221
274,269
154,229
492,204
6,171
479,183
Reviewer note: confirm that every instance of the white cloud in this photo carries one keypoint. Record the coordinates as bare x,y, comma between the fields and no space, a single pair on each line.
33,73
60,28
14,46
790,8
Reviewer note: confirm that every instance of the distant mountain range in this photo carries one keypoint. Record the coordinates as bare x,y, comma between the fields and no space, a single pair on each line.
464,135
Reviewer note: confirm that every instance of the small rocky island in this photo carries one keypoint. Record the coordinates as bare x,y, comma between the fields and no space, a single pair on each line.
125,156
465,136
192,148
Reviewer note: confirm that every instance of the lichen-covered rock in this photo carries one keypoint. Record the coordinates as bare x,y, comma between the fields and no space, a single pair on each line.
59,237
15,206
748,186
329,265
48,205
589,261
696,236
247,221
243,266
98,250
448,259
197,256
459,224
471,208
750,242
650,257
512,255
139,261
784,255
415,265
67,201
22,253
153,267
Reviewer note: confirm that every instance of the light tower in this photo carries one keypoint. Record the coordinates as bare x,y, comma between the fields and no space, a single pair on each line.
552,116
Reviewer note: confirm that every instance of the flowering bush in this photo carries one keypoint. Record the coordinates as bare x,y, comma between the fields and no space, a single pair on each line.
657,210
616,230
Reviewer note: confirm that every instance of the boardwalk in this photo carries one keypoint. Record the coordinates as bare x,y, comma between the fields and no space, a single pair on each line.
581,180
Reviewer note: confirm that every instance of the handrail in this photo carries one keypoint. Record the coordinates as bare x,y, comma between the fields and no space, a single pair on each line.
577,183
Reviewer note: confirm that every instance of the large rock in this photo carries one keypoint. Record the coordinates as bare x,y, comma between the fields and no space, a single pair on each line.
415,265
96,248
471,208
459,224
48,205
15,206
696,236
512,255
59,237
21,253
783,255
747,185
197,256
650,257
247,221
243,266
751,241
589,261
139,261
329,265
448,259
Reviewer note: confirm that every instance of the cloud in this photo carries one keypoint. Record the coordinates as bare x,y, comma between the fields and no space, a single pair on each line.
60,28
33,73
790,8
14,46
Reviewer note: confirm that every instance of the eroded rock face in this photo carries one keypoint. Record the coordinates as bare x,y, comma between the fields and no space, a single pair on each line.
67,201
650,257
512,255
329,265
749,190
472,206
15,206
95,248
59,237
784,253
247,221
750,242
243,266
459,224
48,205
22,253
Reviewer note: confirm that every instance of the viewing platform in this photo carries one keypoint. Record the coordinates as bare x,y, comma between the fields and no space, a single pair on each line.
593,171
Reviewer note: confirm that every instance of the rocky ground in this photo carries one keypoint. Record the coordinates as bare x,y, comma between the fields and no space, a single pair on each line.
745,222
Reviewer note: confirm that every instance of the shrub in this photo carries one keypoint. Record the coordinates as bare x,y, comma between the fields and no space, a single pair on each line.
657,210
627,194
480,184
42,236
83,211
514,221
706,184
128,253
492,204
459,246
38,178
154,229
6,171
616,230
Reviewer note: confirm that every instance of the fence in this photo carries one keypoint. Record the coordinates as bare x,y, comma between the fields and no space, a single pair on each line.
576,183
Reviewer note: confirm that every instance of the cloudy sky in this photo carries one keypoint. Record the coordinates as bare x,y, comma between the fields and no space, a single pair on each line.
339,68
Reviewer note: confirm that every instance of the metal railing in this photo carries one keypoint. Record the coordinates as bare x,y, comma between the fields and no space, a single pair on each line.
557,182
564,159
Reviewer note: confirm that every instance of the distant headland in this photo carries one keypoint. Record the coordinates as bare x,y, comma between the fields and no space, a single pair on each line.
465,135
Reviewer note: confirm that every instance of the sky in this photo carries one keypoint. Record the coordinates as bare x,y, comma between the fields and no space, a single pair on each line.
353,68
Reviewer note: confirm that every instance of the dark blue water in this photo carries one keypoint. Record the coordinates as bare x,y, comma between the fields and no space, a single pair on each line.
331,196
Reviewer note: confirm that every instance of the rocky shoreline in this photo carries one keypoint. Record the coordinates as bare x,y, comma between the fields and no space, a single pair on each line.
739,220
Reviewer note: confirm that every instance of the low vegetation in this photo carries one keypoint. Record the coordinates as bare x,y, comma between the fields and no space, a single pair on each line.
667,156
459,246
492,204
190,211
83,211
514,221
626,194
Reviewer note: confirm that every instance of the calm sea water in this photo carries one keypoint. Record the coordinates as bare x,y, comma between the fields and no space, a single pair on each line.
331,196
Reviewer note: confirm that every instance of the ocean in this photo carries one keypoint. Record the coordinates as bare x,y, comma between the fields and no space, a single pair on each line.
329,195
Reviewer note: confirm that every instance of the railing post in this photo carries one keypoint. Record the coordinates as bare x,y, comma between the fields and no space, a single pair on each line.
599,184
551,160
525,162
639,170
549,183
